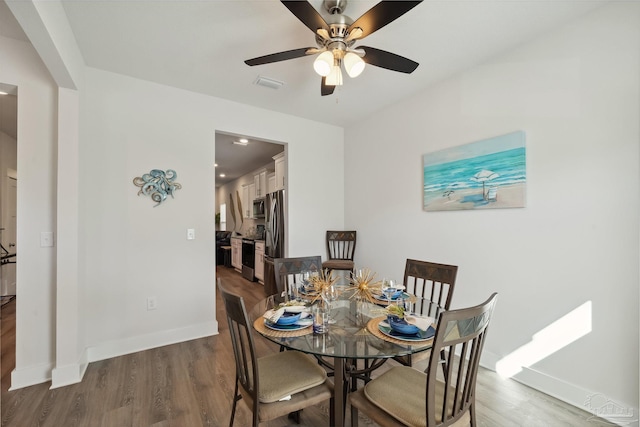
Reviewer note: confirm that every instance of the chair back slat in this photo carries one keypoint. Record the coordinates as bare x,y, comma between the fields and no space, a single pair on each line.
341,245
242,343
287,272
432,281
460,335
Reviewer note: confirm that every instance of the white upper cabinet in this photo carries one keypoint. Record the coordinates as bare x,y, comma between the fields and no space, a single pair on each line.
260,182
271,182
280,170
248,194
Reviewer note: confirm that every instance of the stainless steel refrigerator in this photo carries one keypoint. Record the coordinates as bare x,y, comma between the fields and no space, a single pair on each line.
274,236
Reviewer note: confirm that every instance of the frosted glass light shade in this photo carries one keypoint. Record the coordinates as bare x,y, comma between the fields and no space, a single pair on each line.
323,63
353,64
335,76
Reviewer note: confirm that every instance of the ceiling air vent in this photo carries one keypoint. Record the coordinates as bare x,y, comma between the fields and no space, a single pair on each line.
267,82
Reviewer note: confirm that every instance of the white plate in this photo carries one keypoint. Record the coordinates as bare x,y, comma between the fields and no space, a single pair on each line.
295,309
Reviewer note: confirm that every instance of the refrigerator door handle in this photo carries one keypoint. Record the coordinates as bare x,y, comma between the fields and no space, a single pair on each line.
273,239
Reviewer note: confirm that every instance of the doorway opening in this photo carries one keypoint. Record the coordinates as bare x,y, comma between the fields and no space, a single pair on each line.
250,181
8,241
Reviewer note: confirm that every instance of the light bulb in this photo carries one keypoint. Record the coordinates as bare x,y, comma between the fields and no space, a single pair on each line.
353,64
335,76
323,63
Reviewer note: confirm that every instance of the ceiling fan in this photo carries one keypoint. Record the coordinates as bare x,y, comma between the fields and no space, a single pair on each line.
335,39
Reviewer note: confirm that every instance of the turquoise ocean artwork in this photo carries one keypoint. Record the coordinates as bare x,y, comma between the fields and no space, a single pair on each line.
485,174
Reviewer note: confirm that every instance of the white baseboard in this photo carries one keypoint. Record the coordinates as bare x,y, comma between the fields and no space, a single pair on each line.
61,376
69,374
33,375
129,345
566,392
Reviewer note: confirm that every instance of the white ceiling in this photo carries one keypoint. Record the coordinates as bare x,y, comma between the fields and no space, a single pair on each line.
236,160
201,46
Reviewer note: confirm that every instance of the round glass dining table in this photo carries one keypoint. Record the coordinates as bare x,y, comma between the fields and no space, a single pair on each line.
354,334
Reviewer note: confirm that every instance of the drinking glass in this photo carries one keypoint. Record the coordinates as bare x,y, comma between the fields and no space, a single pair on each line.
320,319
303,285
389,288
330,294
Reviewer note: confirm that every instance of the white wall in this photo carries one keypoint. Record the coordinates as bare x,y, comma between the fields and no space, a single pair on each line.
575,93
126,249
35,326
131,250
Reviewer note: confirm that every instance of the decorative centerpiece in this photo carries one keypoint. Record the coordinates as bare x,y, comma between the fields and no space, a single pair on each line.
320,283
364,284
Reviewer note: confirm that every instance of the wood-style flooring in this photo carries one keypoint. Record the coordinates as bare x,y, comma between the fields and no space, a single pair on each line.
191,384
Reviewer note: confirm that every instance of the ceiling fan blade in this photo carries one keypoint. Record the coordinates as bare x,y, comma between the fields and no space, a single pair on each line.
307,14
380,15
388,60
325,89
280,56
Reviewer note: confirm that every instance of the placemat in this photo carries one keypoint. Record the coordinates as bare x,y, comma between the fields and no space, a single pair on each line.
264,330
372,326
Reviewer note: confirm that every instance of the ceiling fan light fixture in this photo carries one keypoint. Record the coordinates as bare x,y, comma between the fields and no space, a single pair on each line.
335,76
323,63
353,64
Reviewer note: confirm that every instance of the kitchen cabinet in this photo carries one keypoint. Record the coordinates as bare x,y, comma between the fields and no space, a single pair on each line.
260,183
248,194
259,261
236,253
271,182
280,170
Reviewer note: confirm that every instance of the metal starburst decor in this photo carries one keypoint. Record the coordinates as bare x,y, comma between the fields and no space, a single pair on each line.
364,285
321,282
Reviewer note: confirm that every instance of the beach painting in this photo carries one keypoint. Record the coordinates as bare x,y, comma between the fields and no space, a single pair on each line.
485,174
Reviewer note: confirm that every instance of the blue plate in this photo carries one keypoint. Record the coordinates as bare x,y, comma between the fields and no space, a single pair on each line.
401,325
419,336
292,327
288,318
393,297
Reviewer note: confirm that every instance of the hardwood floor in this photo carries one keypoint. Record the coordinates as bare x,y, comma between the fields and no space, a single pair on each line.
191,384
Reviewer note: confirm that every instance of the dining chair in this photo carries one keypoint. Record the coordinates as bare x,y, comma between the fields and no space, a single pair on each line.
403,396
288,269
429,282
274,385
341,248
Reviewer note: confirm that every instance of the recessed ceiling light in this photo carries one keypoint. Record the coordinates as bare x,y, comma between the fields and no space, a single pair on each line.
3,93
244,140
222,175
215,165
241,142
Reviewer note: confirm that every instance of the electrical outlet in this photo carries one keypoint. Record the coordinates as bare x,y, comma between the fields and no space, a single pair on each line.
191,234
152,303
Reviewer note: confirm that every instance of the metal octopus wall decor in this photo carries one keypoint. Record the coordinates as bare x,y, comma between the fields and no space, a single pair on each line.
158,184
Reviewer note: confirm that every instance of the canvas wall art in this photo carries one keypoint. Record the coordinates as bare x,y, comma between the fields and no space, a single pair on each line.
485,174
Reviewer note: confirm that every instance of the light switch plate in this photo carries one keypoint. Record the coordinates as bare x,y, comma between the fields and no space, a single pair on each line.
191,234
46,239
